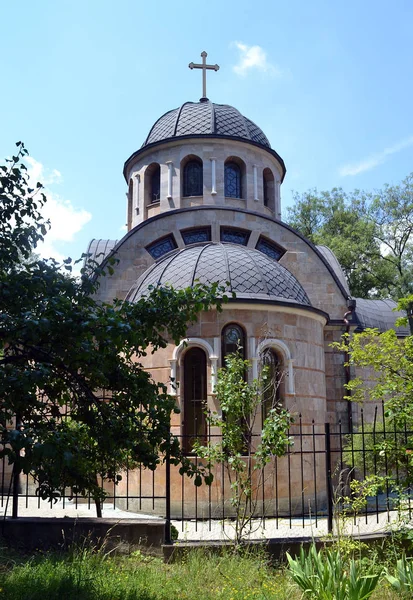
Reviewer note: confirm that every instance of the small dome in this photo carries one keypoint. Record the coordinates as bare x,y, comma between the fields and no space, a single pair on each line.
249,273
205,118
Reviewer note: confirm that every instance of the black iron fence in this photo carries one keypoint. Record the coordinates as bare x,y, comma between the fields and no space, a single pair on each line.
313,480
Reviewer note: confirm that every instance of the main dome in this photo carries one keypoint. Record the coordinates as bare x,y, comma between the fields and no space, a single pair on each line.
249,273
205,118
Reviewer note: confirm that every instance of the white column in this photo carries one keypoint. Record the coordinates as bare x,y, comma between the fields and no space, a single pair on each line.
214,176
253,357
136,193
277,193
172,383
169,163
254,171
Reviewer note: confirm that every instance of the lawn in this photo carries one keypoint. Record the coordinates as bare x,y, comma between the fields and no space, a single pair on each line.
83,575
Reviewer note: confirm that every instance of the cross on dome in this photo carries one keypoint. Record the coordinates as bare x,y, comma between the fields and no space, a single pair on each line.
204,68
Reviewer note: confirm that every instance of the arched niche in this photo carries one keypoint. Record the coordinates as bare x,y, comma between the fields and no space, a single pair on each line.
268,183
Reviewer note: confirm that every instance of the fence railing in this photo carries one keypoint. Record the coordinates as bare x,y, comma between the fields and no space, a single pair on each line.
312,480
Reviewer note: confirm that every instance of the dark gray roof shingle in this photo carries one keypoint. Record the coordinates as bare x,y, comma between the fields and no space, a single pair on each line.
247,272
205,118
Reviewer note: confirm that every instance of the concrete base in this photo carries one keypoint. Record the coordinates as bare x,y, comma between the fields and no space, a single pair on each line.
125,535
275,548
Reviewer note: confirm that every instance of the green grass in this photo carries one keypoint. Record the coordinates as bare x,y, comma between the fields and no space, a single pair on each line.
84,575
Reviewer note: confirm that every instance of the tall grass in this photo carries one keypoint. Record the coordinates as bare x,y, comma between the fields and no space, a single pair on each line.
86,575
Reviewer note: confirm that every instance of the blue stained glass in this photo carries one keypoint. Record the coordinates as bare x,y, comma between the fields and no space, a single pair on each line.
234,236
269,249
194,236
161,247
232,181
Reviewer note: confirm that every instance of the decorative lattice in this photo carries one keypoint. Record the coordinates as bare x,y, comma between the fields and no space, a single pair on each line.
195,236
270,249
234,236
193,179
161,247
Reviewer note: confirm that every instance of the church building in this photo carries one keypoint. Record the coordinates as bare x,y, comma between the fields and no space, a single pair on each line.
204,205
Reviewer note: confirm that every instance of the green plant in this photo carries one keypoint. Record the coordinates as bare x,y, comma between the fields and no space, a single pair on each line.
402,580
244,460
324,575
64,354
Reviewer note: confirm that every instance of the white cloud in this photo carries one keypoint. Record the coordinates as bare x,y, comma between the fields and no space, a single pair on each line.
373,161
253,57
65,219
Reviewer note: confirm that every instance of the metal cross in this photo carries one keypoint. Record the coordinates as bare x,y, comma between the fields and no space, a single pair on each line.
204,68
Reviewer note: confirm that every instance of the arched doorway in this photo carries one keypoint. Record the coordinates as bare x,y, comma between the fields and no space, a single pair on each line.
195,397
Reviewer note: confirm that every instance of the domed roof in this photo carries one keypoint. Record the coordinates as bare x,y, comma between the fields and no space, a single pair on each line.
249,273
205,118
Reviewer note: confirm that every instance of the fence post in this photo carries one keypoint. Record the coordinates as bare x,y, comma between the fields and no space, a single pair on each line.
16,474
168,539
329,485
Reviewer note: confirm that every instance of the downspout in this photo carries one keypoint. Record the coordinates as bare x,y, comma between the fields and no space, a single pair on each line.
347,372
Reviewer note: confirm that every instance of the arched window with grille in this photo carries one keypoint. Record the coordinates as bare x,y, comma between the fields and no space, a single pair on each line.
193,178
273,384
233,180
233,341
195,398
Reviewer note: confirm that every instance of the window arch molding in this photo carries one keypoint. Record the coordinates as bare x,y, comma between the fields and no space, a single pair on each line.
178,354
192,176
282,349
152,183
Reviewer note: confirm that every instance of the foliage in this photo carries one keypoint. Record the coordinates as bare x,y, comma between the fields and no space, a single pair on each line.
70,376
241,404
370,233
402,580
382,452
323,575
379,449
86,575
390,364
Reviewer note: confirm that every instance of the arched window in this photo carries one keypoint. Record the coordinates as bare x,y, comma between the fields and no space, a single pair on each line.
233,180
273,385
155,192
268,188
193,178
195,397
233,340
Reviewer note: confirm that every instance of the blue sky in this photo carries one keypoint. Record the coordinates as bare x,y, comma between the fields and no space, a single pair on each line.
331,85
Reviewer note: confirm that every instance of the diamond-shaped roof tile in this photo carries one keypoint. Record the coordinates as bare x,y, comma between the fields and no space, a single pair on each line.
248,273
205,118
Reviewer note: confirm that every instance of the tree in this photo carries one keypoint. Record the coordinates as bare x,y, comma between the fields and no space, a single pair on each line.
385,449
70,377
370,233
243,453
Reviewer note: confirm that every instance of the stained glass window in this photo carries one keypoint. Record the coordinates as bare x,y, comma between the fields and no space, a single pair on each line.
193,178
271,250
156,184
232,340
161,247
233,180
234,236
195,236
